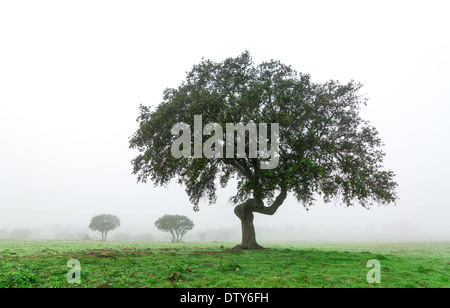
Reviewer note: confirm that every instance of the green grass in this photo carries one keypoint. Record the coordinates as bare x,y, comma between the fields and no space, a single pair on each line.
42,264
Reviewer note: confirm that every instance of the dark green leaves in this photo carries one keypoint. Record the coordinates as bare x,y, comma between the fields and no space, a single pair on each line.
176,225
325,147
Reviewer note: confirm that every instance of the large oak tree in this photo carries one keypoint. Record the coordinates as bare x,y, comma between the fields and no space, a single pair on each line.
326,149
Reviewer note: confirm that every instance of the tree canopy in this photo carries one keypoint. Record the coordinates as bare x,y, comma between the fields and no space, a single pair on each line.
104,223
326,150
177,225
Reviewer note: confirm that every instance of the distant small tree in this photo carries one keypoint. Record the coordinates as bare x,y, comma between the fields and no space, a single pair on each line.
3,234
20,234
104,223
177,225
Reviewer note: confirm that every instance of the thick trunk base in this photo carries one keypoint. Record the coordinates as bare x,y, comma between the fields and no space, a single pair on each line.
245,213
248,247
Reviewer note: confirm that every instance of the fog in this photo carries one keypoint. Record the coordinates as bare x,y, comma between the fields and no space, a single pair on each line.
73,74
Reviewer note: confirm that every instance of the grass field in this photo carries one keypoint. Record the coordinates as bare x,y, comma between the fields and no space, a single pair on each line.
43,264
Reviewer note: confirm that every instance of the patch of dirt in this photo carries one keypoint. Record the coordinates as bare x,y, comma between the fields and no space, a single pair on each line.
231,250
142,252
210,252
205,252
107,253
48,250
104,285
174,277
21,257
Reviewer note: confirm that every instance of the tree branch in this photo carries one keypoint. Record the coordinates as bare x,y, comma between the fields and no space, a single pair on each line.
244,170
270,210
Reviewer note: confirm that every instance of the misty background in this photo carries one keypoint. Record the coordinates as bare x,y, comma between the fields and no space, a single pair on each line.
73,74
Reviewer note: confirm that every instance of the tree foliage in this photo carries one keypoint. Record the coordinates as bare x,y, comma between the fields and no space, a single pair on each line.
326,149
177,225
104,223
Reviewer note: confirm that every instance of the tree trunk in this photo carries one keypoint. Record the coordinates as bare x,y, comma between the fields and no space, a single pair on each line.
245,213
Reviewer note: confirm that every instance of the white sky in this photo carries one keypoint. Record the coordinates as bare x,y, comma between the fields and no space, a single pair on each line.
73,73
